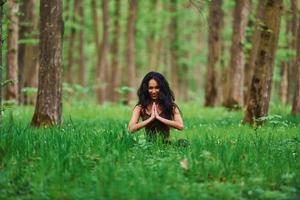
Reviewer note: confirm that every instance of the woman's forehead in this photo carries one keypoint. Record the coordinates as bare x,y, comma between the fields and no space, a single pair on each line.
152,82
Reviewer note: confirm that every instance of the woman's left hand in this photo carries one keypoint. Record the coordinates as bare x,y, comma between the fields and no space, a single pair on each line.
155,111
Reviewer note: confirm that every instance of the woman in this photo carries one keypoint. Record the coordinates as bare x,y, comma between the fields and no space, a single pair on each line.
156,107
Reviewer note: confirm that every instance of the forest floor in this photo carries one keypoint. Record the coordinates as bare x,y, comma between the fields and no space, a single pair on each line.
92,156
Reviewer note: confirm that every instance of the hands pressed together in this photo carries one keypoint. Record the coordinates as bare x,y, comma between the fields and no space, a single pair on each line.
134,124
154,112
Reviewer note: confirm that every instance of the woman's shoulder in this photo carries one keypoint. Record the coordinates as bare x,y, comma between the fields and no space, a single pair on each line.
176,108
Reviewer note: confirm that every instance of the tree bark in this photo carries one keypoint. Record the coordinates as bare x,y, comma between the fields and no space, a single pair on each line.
102,79
151,41
48,109
1,66
214,49
28,52
115,52
82,67
173,35
12,53
296,101
130,53
234,98
255,40
292,67
260,90
284,71
71,40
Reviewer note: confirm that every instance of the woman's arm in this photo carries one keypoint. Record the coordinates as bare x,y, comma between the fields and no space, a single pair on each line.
176,123
133,125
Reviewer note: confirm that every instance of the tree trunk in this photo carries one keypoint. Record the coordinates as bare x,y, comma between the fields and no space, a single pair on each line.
292,78
48,109
296,101
102,79
71,40
115,52
234,97
260,90
82,67
173,35
1,66
130,53
151,41
214,49
284,70
12,53
28,52
255,40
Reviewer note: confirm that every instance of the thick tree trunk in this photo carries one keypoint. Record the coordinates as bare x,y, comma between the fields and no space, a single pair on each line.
48,108
130,53
255,40
82,67
296,101
260,90
173,35
12,53
234,97
102,79
214,49
115,53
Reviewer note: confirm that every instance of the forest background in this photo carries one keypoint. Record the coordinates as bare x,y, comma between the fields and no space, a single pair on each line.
78,64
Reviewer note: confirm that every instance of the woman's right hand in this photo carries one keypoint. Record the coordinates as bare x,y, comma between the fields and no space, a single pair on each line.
152,117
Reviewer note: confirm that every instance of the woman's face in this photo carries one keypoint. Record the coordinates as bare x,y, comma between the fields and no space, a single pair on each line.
153,89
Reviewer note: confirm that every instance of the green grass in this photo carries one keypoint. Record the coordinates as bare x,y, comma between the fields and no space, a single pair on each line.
92,156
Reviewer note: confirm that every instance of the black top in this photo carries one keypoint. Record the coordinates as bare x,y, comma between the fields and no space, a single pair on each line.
155,127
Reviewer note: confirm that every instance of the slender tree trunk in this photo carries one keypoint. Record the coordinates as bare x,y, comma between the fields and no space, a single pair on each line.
48,109
96,27
284,71
255,40
214,48
288,68
98,71
296,101
197,71
102,79
71,41
1,66
130,53
292,67
115,52
173,35
12,53
260,90
23,31
82,67
28,52
234,98
152,42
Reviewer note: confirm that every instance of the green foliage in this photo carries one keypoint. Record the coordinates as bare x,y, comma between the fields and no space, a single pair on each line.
29,91
92,156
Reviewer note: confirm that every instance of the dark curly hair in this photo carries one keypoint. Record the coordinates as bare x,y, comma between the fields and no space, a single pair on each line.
166,96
